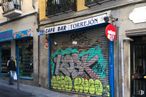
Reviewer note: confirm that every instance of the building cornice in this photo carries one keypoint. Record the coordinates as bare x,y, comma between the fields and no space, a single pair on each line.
18,18
136,32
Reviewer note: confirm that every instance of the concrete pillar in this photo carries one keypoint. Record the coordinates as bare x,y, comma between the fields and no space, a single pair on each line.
13,48
126,49
35,57
43,64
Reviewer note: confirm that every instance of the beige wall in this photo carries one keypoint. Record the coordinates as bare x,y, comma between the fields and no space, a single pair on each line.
123,67
43,64
26,9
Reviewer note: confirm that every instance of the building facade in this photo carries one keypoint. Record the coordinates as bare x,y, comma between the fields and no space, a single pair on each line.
18,38
75,55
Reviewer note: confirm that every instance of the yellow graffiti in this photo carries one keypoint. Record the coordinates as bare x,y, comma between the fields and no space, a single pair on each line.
98,87
68,83
61,83
78,85
107,90
91,86
86,86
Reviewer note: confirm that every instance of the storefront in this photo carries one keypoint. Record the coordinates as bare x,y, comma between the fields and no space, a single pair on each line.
24,49
5,53
138,60
79,62
21,50
24,53
5,50
79,54
22,41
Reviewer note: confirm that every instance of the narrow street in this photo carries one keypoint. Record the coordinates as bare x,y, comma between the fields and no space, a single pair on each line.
10,92
7,90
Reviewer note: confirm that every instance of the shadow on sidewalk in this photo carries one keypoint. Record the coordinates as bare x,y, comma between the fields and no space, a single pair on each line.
11,92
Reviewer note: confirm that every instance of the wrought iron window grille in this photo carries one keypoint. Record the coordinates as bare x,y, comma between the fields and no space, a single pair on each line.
57,7
9,5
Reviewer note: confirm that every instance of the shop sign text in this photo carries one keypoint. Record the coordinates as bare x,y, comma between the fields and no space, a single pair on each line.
75,25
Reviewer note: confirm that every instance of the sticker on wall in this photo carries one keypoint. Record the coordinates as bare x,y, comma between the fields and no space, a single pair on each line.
110,32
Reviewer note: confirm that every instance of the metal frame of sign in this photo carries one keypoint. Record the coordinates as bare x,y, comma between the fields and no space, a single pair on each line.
111,67
93,20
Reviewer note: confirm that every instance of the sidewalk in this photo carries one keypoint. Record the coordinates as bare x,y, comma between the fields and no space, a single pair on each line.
36,91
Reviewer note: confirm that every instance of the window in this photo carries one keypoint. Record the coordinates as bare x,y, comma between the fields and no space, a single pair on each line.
25,57
95,2
55,7
5,53
9,5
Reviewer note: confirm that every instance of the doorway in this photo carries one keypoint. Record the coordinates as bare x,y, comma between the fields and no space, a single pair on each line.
24,53
138,67
5,53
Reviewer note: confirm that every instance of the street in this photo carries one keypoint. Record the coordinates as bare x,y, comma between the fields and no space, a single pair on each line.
10,92
7,90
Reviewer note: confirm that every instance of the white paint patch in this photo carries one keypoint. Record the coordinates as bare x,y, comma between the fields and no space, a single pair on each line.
138,15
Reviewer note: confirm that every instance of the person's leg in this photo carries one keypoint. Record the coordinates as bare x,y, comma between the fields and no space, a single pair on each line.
10,78
13,73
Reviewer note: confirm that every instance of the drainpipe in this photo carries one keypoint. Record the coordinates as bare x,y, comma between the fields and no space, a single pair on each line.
35,7
38,29
122,66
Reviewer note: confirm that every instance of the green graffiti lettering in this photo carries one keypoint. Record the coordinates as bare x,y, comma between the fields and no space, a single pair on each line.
93,56
80,71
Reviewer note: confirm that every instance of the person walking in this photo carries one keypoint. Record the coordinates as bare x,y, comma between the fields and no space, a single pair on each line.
12,70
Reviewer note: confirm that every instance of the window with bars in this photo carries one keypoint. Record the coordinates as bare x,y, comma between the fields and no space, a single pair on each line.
90,3
9,5
55,7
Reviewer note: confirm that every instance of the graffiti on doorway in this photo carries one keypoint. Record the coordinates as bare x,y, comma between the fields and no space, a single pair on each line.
71,62
79,71
90,86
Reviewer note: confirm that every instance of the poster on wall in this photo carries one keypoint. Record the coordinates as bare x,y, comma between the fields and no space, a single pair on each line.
110,32
79,63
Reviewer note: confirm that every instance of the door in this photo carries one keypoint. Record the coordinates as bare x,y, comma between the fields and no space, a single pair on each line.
24,53
138,67
5,54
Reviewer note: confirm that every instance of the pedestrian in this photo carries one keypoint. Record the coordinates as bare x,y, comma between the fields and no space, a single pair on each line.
12,70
